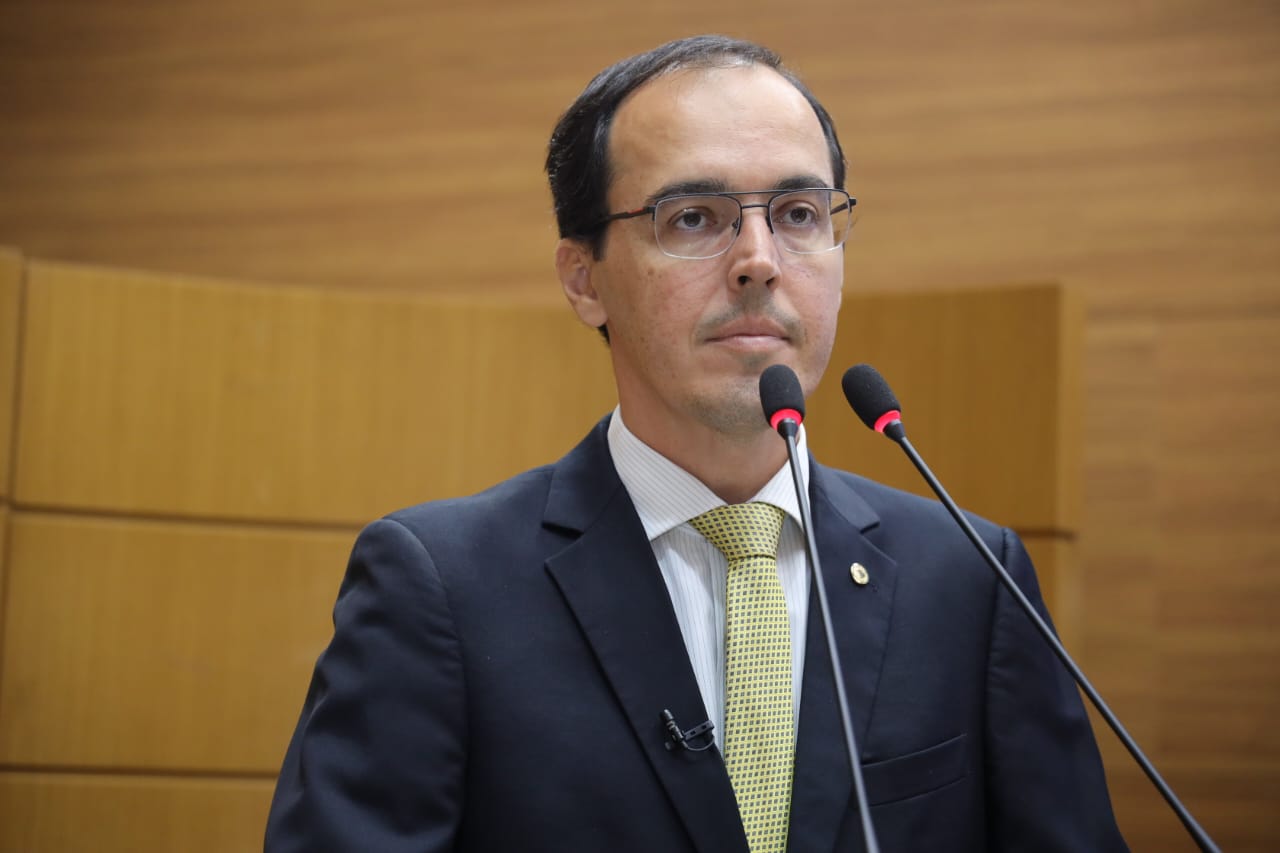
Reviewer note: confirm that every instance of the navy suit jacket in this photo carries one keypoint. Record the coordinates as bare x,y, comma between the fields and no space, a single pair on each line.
500,663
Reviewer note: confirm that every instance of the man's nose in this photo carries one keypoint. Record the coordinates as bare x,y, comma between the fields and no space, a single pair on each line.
754,251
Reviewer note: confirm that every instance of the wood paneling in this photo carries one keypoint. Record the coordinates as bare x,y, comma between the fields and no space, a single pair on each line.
1119,546
136,644
1220,509
1118,145
1132,150
77,813
1002,446
11,269
145,394
1180,566
4,572
1235,803
152,395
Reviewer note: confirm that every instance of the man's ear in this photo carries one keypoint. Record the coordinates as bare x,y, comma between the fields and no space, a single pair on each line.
575,265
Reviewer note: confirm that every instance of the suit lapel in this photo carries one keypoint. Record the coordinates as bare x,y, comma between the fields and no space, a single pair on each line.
822,787
615,590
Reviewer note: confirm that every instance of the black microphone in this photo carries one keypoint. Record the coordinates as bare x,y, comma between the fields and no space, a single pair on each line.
872,401
782,399
684,738
878,408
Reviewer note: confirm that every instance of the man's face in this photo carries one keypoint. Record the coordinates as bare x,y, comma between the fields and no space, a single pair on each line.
690,338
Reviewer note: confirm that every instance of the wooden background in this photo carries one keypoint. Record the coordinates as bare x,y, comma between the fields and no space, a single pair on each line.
1131,150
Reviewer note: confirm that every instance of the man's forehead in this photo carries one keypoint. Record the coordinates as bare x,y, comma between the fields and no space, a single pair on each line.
696,129
691,99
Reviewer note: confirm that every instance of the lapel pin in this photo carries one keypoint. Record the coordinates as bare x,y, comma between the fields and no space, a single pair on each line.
859,574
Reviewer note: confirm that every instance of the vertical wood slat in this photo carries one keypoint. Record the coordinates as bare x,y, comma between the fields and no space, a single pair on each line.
11,271
10,304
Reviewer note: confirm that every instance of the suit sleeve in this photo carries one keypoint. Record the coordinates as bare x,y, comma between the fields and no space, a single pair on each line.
1046,790
377,759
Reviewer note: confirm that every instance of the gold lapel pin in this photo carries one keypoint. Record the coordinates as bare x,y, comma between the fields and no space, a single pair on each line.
859,574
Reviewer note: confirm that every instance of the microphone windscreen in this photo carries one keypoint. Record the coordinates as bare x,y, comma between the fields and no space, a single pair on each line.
868,393
780,389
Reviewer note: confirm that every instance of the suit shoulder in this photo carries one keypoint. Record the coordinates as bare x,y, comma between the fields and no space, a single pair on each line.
895,507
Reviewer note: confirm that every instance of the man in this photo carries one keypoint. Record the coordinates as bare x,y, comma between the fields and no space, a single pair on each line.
525,669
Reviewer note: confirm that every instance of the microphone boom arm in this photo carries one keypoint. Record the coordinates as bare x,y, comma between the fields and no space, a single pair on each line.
788,429
897,434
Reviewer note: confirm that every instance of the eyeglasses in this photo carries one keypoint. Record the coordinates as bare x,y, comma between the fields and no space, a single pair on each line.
696,227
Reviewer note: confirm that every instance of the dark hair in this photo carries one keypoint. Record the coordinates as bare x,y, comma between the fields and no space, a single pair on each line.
578,155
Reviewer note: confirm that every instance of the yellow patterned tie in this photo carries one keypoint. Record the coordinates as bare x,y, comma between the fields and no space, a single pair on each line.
758,736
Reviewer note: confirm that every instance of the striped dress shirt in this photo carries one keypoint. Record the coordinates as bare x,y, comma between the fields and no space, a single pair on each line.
666,497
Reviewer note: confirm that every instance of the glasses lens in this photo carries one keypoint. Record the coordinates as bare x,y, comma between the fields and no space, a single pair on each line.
811,221
695,226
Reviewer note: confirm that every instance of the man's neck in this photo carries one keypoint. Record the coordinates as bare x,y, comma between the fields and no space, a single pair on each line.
734,467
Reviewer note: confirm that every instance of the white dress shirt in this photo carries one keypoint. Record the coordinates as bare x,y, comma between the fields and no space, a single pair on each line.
666,497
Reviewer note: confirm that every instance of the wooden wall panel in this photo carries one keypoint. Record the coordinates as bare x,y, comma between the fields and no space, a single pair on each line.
1002,447
5,514
1120,545
1220,507
134,644
1235,804
11,270
79,813
1180,567
153,395
1123,146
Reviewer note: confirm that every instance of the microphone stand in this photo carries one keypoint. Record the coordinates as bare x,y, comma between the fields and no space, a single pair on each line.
897,433
788,428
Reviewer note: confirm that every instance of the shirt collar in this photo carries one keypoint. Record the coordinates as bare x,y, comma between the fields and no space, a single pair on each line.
666,496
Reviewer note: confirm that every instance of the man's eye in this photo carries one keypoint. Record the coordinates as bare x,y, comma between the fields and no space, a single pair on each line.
797,214
692,219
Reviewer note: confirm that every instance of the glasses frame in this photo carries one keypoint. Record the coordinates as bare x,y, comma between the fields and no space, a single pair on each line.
774,195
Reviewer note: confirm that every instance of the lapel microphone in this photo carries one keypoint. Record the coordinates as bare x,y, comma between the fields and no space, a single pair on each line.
876,406
782,399
685,738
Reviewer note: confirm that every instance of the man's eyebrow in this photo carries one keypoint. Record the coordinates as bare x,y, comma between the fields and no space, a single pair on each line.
803,182
705,185
714,185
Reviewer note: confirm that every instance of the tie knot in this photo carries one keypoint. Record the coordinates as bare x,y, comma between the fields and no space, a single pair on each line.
740,531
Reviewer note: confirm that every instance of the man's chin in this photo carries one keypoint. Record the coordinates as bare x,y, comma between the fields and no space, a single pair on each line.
735,415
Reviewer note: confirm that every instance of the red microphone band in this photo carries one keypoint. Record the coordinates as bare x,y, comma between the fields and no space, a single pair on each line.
886,419
785,415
